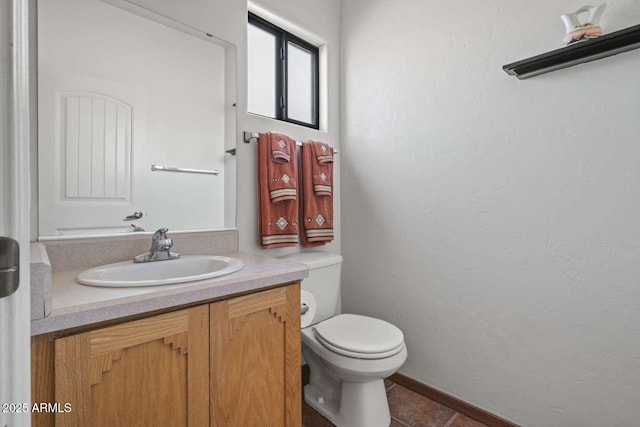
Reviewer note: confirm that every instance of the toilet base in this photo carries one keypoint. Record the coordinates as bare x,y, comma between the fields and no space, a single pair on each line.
361,404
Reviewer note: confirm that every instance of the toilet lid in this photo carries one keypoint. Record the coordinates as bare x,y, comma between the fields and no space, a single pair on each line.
360,336
357,355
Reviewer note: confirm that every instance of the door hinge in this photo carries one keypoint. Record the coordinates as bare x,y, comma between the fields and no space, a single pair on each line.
9,266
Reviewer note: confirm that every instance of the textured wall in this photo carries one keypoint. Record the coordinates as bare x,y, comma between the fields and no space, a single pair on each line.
495,221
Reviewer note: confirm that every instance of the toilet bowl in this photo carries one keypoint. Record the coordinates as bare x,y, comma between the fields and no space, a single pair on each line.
348,355
347,390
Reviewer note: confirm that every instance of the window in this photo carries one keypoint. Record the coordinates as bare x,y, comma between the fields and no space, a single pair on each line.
282,75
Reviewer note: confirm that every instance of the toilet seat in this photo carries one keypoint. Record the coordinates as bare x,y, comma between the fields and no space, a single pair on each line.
357,355
360,337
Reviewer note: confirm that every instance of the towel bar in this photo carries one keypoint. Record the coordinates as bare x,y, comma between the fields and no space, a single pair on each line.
174,169
253,137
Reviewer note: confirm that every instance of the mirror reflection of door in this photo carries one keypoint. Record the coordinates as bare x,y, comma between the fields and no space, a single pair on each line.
117,93
87,127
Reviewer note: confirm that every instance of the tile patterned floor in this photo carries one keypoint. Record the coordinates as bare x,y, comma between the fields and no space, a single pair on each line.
408,409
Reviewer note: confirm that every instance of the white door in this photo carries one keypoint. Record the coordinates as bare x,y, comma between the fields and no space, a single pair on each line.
90,131
14,211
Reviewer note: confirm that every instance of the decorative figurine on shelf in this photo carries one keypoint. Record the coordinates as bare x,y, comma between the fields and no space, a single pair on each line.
578,31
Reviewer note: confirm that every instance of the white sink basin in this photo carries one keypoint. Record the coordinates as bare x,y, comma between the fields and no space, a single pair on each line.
184,269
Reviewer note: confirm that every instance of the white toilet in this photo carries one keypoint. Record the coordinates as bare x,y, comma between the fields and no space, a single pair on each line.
348,355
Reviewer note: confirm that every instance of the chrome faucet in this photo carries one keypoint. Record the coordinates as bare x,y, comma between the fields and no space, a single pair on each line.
160,248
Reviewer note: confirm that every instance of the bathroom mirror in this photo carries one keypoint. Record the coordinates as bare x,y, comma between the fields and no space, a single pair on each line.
136,122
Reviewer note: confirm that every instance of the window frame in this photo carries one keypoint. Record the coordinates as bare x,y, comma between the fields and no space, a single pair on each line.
283,38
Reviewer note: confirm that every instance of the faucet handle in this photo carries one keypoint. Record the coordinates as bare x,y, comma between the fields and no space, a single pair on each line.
160,234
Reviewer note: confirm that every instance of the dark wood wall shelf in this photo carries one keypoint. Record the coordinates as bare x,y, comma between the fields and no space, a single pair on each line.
590,50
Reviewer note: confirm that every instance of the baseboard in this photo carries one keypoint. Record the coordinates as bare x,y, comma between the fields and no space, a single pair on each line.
452,402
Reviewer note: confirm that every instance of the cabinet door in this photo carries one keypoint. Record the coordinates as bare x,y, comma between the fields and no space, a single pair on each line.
148,372
255,360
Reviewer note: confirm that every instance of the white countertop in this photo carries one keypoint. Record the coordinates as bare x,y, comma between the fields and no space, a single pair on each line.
75,305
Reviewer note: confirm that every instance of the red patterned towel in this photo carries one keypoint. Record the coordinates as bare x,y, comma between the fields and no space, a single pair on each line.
322,168
317,194
282,169
277,201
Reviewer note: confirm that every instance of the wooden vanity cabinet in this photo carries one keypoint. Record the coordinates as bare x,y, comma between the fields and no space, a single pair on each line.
151,371
234,362
255,360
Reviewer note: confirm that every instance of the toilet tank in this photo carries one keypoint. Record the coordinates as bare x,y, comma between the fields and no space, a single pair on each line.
323,281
